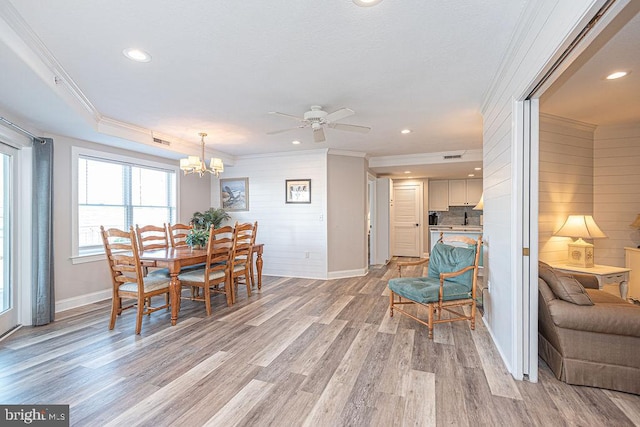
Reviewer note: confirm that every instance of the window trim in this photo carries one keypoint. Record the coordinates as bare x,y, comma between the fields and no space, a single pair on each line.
76,152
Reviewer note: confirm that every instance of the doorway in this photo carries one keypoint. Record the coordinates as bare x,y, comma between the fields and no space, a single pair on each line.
8,293
406,219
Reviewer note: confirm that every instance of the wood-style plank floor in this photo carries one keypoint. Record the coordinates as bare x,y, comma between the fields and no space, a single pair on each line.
298,353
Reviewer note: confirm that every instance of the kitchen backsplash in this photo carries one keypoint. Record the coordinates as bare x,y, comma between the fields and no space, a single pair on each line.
455,216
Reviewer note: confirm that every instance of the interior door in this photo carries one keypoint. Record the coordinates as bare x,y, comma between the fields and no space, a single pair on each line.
407,228
8,294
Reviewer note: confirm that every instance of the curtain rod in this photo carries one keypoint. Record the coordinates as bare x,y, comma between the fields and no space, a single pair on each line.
8,123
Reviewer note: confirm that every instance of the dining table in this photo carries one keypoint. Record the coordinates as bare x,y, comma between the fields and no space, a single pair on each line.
174,259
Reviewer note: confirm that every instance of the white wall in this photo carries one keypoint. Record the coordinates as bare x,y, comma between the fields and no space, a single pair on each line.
346,216
78,284
616,196
289,231
545,28
565,181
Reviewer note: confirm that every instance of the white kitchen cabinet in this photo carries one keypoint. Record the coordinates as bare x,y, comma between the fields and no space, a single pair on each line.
439,195
464,192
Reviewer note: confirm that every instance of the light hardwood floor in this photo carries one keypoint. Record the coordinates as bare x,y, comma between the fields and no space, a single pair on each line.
298,353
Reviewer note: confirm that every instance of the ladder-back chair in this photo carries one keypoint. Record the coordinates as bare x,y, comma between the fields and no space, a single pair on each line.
241,255
450,284
178,234
127,276
215,271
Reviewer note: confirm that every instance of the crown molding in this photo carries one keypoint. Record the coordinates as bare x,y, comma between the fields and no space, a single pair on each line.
44,55
347,153
563,121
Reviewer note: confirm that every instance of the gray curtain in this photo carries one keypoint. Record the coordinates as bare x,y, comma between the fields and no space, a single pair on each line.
43,301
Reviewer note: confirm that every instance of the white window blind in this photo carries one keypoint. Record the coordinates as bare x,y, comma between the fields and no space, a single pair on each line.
119,194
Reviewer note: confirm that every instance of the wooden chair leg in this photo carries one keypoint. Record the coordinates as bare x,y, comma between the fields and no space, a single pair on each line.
228,292
207,299
116,303
473,316
390,303
140,311
430,321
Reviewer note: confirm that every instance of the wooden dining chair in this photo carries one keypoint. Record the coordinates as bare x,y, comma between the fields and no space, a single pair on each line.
241,255
178,234
151,237
449,286
127,276
216,271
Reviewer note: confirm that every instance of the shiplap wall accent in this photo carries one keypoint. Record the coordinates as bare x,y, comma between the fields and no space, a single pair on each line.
565,180
544,30
616,190
288,231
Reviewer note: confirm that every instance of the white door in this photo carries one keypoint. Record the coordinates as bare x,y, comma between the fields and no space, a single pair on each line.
407,229
8,294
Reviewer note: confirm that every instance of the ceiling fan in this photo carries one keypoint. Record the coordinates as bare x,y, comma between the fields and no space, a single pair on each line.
317,119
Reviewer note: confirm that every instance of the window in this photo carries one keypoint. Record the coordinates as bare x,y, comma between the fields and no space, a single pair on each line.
116,193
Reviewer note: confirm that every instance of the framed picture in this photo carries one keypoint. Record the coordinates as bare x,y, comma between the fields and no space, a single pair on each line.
298,191
234,194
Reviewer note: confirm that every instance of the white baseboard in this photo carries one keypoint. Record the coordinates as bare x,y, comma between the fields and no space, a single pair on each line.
495,343
81,300
347,273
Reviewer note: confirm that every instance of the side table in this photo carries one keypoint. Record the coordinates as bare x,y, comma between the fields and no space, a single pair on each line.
606,275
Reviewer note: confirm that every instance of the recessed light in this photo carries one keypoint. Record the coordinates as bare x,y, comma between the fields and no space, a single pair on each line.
366,3
617,75
405,131
477,169
137,55
471,174
296,142
407,171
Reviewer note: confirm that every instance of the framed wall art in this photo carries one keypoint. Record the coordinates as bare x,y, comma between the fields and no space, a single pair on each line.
298,190
234,194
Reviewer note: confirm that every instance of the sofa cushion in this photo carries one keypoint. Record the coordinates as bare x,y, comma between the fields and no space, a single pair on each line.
604,318
563,285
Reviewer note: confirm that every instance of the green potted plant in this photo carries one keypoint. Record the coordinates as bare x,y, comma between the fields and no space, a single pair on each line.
197,238
212,216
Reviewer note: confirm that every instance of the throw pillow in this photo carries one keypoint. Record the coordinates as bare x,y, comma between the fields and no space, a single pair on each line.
563,285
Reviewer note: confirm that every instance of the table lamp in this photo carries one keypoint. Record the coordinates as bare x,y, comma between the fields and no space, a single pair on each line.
580,253
636,224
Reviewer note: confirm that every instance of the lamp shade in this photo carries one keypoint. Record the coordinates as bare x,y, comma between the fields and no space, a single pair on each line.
581,226
480,205
636,222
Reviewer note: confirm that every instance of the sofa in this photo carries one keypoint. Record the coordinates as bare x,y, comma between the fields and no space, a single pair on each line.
587,336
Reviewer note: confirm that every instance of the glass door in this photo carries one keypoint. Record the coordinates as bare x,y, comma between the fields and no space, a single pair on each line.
8,297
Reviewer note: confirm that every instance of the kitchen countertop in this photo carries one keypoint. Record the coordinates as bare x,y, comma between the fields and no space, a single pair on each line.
455,228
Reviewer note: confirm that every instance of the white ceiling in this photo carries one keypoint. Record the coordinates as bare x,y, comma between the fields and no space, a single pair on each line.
220,67
584,94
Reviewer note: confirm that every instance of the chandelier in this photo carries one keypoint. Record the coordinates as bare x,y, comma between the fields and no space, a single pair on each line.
195,164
